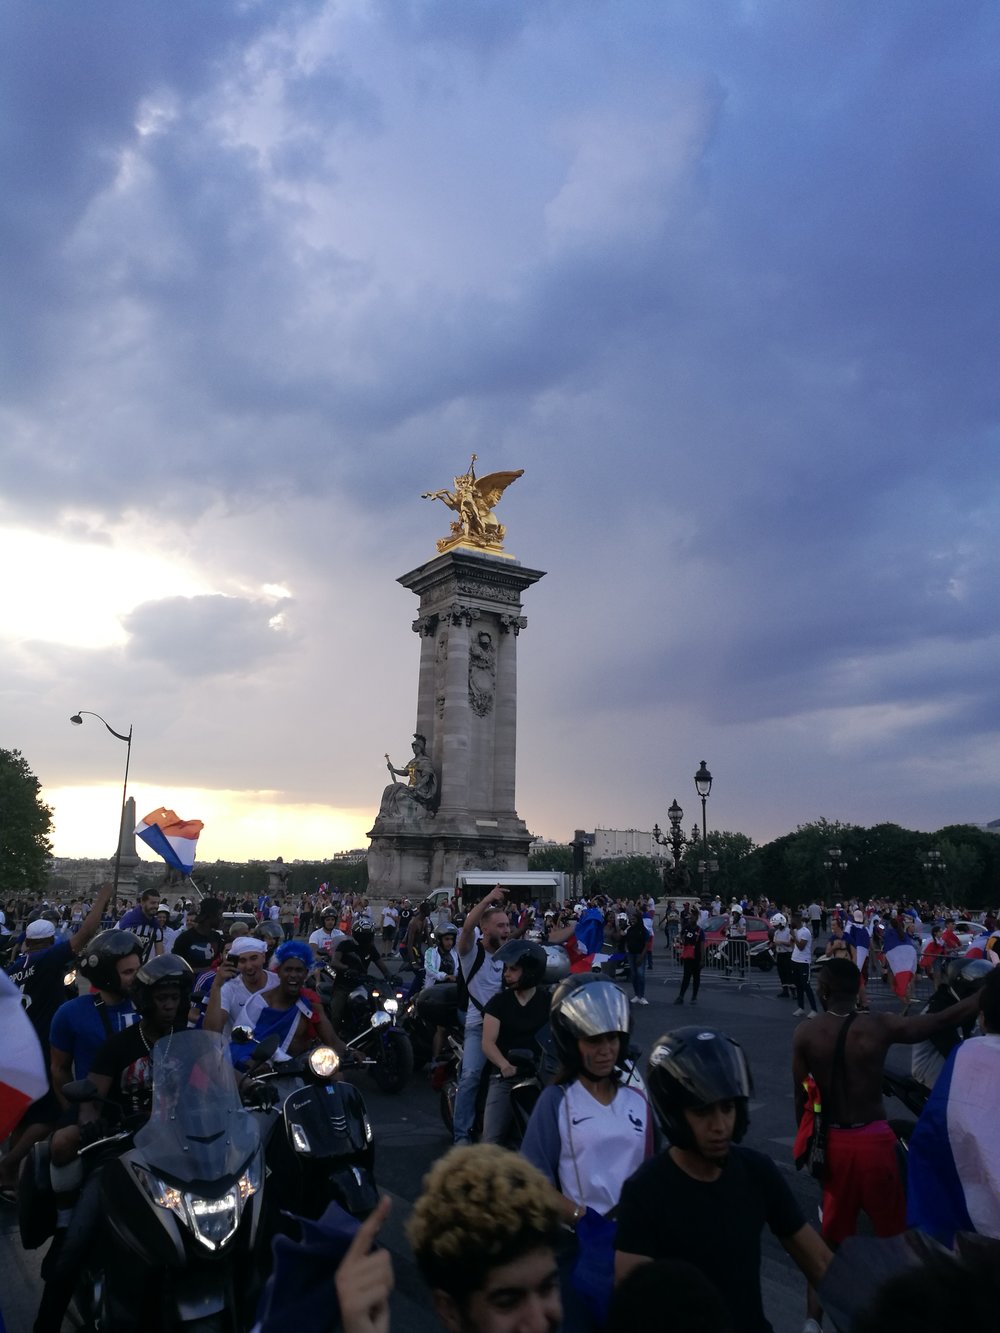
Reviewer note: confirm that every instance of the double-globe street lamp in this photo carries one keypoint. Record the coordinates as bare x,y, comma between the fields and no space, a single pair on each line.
77,720
675,840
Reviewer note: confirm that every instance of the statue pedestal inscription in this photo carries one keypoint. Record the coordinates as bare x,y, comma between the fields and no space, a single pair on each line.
456,810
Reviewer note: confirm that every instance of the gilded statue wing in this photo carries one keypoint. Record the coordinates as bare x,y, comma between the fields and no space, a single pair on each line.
492,487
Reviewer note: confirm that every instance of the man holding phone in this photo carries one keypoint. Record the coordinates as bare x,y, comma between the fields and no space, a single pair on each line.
483,978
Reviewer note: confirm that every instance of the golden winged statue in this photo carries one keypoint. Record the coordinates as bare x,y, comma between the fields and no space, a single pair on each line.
472,500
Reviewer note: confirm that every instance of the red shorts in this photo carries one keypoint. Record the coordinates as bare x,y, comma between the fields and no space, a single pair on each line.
862,1175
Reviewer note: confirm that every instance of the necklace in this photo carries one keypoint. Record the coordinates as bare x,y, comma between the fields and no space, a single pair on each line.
145,1039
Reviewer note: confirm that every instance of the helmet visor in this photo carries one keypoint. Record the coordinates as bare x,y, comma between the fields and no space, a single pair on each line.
596,1008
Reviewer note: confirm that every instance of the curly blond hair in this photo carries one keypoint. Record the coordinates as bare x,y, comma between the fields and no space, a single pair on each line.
481,1207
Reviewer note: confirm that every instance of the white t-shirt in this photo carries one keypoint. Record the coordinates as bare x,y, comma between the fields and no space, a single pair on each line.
601,1145
389,917
326,940
802,940
483,986
782,939
235,997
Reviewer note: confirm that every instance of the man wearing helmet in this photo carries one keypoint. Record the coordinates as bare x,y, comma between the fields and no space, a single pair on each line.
82,1025
512,1021
672,1207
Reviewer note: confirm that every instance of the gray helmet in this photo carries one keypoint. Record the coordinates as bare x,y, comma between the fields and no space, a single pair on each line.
449,928
587,1006
966,975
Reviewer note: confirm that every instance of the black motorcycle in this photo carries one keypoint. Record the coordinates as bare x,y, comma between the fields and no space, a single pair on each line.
370,1027
166,1229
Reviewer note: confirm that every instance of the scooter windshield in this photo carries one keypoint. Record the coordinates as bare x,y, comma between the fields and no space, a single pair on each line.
198,1129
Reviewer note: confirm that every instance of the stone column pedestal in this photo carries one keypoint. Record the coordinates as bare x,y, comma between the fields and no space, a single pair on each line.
469,622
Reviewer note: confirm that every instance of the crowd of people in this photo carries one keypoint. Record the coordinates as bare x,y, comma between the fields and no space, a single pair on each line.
626,1178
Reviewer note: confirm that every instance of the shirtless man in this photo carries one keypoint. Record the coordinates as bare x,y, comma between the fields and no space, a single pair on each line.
862,1172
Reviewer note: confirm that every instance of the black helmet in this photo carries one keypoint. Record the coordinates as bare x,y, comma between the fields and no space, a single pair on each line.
528,956
364,930
167,970
692,1067
587,1006
966,975
99,961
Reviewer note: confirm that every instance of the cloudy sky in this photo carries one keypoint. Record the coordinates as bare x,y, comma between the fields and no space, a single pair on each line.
721,277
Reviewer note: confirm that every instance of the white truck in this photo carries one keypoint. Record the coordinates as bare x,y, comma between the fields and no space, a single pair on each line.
552,888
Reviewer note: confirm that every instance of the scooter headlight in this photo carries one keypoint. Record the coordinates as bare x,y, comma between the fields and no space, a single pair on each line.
391,1006
324,1061
162,1194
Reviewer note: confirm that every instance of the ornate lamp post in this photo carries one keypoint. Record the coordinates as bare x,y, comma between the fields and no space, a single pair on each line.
835,864
935,868
77,720
675,840
703,785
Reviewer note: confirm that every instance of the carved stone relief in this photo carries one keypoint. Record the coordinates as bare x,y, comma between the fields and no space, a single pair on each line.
482,673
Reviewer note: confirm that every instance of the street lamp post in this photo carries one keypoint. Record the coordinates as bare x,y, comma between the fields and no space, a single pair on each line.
77,720
675,841
935,867
835,864
703,785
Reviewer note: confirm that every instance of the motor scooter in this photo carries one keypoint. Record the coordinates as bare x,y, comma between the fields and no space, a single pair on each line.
318,1138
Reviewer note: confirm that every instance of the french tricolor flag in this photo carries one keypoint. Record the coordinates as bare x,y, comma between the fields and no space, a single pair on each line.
171,837
954,1158
22,1066
901,955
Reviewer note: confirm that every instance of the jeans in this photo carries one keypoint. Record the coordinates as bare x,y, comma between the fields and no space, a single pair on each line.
496,1115
637,970
800,976
473,1060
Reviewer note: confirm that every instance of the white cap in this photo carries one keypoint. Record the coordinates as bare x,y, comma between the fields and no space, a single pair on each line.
40,930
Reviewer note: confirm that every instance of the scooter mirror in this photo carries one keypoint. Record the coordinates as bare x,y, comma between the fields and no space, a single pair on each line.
265,1049
242,1035
380,1019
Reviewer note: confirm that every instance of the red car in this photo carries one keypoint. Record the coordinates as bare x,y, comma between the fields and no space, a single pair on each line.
715,931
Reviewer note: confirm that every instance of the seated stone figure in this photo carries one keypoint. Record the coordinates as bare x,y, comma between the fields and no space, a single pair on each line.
416,797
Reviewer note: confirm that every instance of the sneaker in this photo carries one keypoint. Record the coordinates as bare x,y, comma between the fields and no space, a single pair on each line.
811,1013
694,999
634,999
642,1000
797,1013
679,1000
811,1326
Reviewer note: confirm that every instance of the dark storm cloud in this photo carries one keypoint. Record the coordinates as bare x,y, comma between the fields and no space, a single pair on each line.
724,284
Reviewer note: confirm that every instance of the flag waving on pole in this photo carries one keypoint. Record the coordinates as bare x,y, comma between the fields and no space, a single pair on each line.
22,1066
171,837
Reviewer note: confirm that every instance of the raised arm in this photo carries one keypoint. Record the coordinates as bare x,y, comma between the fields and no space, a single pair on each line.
92,921
468,936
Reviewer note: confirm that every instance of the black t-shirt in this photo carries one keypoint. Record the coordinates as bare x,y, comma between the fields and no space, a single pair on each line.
39,976
519,1023
198,951
715,1225
691,936
125,1059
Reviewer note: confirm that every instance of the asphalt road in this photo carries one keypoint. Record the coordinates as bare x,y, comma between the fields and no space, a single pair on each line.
409,1136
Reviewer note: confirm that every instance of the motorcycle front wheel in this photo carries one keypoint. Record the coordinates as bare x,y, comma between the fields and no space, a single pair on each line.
393,1060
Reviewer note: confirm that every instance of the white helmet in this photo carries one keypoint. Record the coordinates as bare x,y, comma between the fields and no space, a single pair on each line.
779,921
736,910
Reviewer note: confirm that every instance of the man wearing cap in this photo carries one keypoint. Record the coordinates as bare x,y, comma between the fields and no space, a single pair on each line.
38,972
240,976
143,922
